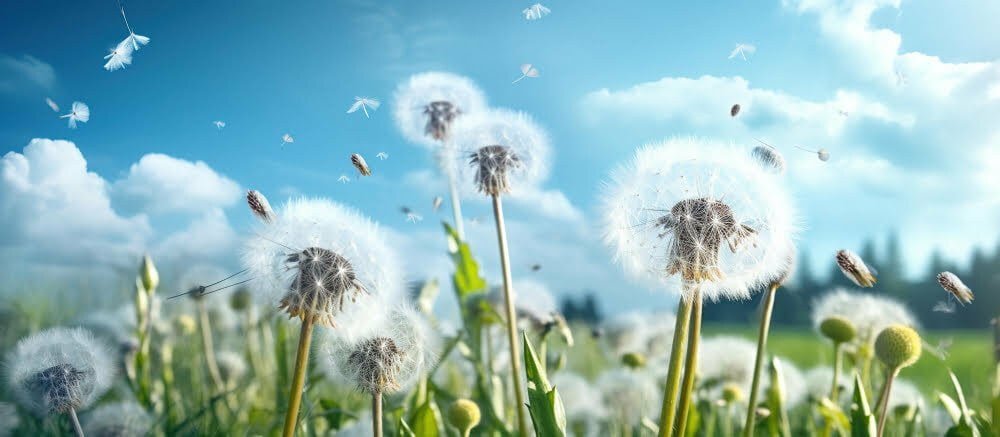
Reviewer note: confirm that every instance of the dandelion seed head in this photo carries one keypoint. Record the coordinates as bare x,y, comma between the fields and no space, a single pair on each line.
869,313
581,400
503,150
818,381
427,104
723,360
627,395
232,365
60,368
898,346
386,358
319,258
117,419
695,211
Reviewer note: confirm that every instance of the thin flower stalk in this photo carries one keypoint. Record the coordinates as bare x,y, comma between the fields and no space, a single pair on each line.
511,317
765,326
298,377
690,364
672,387
377,414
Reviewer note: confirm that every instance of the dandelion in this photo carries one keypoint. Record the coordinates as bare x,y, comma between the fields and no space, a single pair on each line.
703,219
232,367
9,421
118,57
725,360
122,419
840,331
80,112
535,12
464,415
260,207
582,402
627,396
743,50
52,104
509,150
527,70
359,163
59,371
364,104
426,107
855,269
323,263
386,358
953,285
897,347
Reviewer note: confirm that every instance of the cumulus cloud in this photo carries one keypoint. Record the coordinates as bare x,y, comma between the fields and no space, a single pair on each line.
16,73
159,183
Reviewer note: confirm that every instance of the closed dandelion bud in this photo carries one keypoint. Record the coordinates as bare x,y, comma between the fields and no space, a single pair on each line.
241,299
185,324
464,415
732,393
868,313
898,346
147,272
118,419
837,329
59,369
634,360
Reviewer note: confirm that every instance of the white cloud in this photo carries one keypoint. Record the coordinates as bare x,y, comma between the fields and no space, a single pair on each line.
159,183
16,73
208,238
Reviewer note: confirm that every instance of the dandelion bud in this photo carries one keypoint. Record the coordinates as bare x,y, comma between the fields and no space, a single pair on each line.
59,369
732,393
492,165
952,284
260,207
634,360
898,346
837,329
464,415
241,299
855,269
147,272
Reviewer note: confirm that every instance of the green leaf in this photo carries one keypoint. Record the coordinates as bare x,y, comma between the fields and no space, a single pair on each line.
863,423
466,279
778,420
333,412
951,407
544,404
427,420
961,430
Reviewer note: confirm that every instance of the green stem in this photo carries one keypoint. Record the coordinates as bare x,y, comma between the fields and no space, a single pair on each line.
456,203
669,408
834,396
884,399
377,414
299,377
76,422
690,364
765,327
515,355
208,348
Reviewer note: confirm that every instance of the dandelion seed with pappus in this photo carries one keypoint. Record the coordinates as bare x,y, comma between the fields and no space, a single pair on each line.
702,218
325,264
60,371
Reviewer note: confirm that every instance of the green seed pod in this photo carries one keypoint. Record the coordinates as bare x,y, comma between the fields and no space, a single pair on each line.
838,329
147,272
732,393
240,300
464,415
634,360
898,346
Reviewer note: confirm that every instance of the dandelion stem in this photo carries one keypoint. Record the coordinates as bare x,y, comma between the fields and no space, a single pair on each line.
765,327
76,422
690,364
299,377
456,203
377,414
669,408
205,326
515,355
884,399
834,396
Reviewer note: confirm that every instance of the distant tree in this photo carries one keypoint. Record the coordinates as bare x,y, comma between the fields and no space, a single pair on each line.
891,277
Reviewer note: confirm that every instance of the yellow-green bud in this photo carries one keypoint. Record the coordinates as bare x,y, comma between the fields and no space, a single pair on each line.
241,299
464,415
732,393
150,277
185,324
898,346
634,360
838,329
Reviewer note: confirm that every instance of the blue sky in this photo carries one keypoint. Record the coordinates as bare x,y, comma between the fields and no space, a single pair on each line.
917,152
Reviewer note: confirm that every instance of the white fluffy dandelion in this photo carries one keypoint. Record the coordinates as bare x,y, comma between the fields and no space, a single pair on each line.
628,396
232,366
869,313
818,381
693,211
219,124
725,360
119,419
118,57
581,401
503,150
319,256
59,370
905,394
287,139
427,104
79,112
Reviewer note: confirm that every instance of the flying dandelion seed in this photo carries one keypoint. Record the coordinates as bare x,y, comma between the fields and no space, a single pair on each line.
79,112
536,267
735,110
944,306
364,104
413,217
382,155
286,139
343,179
121,55
527,70
822,154
951,283
535,12
52,104
843,113
855,268
219,124
436,203
768,157
359,163
742,50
